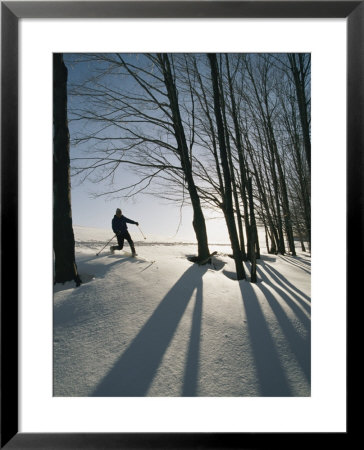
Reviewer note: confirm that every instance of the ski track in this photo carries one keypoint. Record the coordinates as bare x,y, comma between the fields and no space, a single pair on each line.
159,325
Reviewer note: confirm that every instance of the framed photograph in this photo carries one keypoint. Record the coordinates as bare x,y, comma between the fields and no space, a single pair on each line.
42,404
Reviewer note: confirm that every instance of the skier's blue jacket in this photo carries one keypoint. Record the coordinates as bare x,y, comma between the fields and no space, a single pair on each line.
119,224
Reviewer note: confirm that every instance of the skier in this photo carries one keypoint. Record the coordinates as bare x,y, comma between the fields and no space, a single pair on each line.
120,228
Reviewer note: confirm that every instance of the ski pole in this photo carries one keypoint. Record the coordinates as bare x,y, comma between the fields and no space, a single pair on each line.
97,254
141,232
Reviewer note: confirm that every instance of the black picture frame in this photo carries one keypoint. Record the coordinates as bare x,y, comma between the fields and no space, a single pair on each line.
11,12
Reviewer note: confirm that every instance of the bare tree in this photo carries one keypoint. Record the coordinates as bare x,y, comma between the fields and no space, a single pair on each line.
139,118
300,65
228,203
63,238
198,217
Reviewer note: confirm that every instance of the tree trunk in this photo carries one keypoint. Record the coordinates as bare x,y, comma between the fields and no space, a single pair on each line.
266,238
253,235
299,80
301,173
298,226
257,246
230,220
199,224
304,192
63,237
268,220
239,145
233,181
284,195
280,242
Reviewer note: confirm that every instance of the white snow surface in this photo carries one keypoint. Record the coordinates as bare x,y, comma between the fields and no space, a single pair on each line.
159,325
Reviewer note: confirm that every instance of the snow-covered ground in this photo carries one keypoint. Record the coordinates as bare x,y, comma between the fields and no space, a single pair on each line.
159,325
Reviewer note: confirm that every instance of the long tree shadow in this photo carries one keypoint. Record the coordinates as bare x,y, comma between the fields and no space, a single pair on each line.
298,304
272,379
134,372
299,345
277,276
193,356
297,263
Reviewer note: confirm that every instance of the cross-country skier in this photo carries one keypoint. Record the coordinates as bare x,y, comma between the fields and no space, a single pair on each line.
120,228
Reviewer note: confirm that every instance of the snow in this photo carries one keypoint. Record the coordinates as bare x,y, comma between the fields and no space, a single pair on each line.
158,325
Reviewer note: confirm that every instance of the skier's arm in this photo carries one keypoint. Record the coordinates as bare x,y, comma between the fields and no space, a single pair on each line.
131,221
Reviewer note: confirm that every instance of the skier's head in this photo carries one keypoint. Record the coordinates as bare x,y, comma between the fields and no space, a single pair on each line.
118,212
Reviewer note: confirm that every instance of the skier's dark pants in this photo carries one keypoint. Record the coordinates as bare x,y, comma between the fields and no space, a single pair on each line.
121,237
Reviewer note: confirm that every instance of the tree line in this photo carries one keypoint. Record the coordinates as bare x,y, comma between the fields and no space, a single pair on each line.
223,131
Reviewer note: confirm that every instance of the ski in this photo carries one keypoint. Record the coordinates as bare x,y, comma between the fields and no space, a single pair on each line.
130,254
139,258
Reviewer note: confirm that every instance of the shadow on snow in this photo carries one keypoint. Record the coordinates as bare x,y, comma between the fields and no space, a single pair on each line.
297,261
272,379
133,373
68,310
85,270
